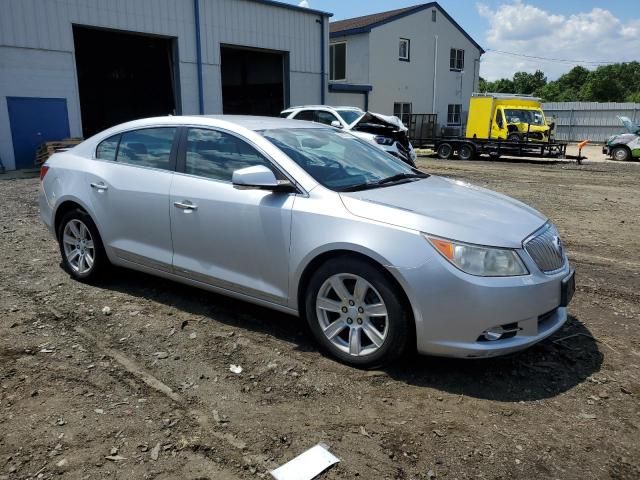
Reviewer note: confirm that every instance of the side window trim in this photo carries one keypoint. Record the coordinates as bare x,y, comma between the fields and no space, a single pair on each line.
182,155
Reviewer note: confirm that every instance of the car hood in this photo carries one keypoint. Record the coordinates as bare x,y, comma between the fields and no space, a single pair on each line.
449,209
377,118
629,125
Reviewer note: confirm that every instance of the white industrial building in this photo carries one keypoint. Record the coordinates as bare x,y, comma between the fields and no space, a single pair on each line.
70,68
409,60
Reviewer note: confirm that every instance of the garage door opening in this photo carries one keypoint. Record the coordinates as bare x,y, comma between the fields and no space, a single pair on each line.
253,81
123,76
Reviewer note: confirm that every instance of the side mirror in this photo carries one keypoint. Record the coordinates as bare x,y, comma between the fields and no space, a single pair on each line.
336,124
259,177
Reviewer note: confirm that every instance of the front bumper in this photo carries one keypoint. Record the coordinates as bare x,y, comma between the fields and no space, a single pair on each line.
605,150
453,309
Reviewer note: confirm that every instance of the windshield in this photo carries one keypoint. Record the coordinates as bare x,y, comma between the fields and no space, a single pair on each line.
532,117
350,116
338,160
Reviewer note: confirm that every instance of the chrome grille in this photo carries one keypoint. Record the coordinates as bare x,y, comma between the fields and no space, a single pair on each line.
545,248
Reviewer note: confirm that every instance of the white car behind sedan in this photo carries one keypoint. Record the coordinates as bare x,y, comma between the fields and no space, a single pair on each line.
385,132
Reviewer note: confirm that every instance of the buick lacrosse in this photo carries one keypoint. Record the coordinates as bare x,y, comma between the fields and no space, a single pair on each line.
378,257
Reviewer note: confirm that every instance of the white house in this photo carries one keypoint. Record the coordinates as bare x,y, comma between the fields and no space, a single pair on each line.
75,67
410,60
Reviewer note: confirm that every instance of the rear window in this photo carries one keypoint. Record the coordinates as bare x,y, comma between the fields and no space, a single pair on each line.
108,148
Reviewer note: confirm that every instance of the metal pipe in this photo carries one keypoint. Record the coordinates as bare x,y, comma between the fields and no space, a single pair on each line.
435,74
196,9
323,68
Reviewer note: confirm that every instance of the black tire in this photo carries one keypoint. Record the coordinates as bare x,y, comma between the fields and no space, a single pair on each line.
466,151
621,154
100,263
445,150
514,137
398,320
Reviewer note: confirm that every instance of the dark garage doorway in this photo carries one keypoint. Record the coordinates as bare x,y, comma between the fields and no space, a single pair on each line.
253,81
123,76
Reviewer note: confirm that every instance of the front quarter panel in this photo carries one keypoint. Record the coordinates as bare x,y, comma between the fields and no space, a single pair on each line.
321,224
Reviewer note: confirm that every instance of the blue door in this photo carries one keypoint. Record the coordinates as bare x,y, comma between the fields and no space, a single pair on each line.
34,121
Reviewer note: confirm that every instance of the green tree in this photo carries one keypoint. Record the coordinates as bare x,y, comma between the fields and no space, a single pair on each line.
566,88
528,83
619,82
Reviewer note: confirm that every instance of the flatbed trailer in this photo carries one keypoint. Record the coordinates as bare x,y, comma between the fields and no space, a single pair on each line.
468,148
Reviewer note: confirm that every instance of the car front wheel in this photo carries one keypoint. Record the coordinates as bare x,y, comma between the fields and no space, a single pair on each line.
620,153
356,313
83,255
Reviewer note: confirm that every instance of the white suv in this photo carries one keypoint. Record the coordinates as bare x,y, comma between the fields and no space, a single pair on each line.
385,132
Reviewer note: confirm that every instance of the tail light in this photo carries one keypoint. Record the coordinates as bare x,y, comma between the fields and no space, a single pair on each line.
43,171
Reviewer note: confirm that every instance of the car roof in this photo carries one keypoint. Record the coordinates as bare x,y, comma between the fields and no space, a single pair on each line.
252,122
326,107
249,122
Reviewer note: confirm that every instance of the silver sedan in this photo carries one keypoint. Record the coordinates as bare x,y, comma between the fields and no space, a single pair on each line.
379,258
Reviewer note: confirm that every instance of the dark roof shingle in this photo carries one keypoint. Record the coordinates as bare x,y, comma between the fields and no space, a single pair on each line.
365,23
368,20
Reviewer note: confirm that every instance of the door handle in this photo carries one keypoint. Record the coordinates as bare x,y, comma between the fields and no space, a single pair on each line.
185,205
99,186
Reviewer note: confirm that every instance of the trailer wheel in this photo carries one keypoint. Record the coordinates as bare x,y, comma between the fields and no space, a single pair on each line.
620,153
466,151
445,150
513,137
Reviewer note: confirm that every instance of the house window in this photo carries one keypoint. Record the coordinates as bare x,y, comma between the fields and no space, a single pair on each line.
338,61
433,15
456,60
453,115
403,112
403,53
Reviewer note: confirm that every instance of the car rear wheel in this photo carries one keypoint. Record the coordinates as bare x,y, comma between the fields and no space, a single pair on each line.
356,313
620,153
83,254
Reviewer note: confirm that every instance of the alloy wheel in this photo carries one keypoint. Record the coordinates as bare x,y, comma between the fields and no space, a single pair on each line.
352,314
79,249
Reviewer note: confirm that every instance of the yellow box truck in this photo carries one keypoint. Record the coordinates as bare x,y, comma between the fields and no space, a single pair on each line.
502,124
509,117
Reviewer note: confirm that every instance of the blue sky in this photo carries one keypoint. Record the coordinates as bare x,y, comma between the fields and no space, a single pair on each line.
584,30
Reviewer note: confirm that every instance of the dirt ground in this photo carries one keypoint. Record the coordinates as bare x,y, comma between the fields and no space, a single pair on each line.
145,390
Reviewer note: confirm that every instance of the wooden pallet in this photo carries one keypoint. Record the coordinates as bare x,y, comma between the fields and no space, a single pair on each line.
47,149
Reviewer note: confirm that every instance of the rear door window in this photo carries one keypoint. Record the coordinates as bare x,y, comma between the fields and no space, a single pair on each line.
149,147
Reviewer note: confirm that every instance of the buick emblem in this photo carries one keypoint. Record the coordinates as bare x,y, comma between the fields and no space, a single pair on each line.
557,244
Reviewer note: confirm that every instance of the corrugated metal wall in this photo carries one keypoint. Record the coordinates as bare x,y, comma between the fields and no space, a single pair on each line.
577,121
37,50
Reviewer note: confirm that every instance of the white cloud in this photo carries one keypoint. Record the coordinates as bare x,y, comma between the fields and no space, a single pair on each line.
304,4
596,36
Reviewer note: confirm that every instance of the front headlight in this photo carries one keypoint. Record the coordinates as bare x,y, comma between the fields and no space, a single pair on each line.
478,260
384,140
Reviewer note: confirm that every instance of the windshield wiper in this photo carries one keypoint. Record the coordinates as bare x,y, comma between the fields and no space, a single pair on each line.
400,176
360,186
384,181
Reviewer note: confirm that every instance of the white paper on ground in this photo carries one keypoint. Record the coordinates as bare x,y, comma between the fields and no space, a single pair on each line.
306,466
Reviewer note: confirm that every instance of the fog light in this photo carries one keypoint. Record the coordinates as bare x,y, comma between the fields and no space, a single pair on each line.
494,333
